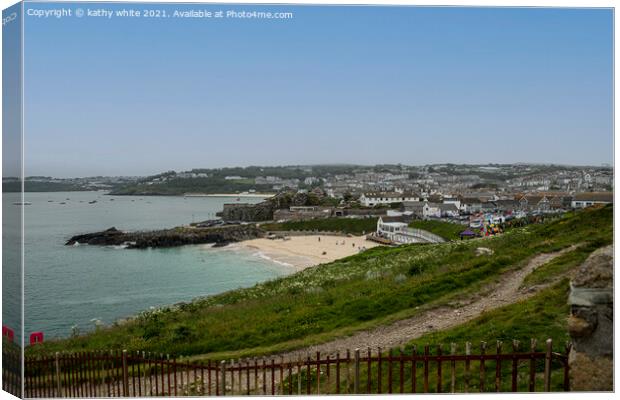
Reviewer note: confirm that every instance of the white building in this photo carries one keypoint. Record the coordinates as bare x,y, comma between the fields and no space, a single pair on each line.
397,231
371,199
583,200
394,229
423,209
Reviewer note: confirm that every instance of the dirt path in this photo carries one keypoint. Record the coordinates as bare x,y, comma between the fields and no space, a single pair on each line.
439,318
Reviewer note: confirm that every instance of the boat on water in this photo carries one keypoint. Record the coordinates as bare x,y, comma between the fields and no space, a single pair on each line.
92,202
62,202
22,203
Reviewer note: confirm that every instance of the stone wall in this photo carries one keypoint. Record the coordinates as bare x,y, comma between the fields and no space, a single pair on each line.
263,211
590,323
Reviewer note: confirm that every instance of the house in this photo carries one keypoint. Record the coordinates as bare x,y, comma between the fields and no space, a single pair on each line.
419,209
422,209
560,201
534,202
453,200
448,210
582,200
433,210
471,204
434,198
371,199
507,205
481,196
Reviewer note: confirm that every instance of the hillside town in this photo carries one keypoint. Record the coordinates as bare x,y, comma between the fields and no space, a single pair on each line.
341,181
484,199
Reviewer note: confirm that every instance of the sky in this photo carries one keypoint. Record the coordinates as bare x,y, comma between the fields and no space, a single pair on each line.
11,92
364,85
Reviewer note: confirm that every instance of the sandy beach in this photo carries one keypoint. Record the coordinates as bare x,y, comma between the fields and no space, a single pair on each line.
306,251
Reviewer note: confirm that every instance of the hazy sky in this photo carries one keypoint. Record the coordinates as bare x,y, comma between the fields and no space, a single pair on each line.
332,85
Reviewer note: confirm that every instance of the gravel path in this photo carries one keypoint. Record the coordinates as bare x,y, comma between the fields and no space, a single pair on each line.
401,332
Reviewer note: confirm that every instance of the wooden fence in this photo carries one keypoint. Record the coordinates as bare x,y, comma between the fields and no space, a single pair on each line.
129,374
11,368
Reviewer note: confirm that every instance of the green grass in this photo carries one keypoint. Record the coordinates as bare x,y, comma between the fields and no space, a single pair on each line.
512,322
447,230
506,324
357,292
559,266
354,226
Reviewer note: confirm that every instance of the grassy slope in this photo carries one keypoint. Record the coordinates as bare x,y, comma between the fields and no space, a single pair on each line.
337,298
512,322
447,230
345,225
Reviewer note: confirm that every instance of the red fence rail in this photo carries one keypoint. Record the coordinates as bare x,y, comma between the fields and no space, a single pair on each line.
129,374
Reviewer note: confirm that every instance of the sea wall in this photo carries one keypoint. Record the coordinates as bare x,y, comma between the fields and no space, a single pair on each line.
590,324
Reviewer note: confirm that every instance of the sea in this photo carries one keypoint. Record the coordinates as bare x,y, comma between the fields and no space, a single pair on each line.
70,289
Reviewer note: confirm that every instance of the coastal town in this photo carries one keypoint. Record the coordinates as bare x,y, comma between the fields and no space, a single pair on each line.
316,214
483,199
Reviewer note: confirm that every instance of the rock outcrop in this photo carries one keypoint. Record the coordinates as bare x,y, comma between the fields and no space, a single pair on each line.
591,324
169,237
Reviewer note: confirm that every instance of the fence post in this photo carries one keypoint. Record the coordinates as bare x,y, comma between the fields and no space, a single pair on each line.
439,376
498,367
532,365
515,364
318,372
232,377
567,349
299,375
125,375
57,366
356,378
483,347
452,368
223,372
467,365
548,366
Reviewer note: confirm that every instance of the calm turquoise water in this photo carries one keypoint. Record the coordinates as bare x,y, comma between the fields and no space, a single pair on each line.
73,285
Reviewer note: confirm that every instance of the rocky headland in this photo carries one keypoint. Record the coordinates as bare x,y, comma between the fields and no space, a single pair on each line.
173,237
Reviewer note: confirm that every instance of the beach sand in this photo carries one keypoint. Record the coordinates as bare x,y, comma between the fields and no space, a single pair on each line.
306,251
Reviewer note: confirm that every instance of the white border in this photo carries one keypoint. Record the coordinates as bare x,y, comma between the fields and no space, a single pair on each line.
479,3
